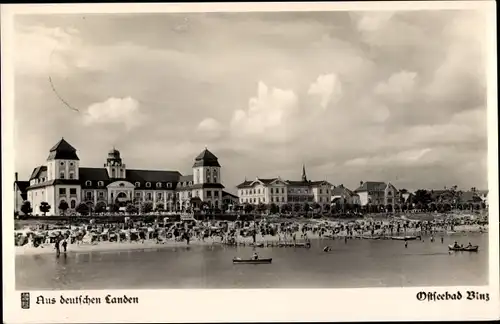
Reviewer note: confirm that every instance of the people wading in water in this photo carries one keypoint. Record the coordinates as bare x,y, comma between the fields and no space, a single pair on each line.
64,244
58,250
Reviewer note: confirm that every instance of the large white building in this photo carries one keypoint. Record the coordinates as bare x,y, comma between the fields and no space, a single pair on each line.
63,179
278,191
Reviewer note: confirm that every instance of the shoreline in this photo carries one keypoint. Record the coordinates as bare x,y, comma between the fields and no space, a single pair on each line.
28,249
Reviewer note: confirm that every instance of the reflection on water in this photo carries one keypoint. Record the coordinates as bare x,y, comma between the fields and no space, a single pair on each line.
359,263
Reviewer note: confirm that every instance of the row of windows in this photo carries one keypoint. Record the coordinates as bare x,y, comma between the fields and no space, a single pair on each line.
72,191
70,163
88,183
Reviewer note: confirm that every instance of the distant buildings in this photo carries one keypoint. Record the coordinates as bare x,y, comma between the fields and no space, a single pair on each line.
377,193
342,196
279,191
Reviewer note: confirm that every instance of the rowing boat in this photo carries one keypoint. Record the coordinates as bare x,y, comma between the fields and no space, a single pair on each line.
473,248
405,238
252,261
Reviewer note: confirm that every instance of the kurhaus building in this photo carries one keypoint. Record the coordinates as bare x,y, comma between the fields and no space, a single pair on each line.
278,191
62,179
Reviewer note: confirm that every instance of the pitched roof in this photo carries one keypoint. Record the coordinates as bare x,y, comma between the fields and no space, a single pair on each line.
341,190
244,184
206,158
62,150
22,186
186,178
267,181
54,182
320,183
151,176
225,193
93,174
298,183
371,186
37,171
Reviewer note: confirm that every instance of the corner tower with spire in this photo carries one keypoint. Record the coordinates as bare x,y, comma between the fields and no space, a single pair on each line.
62,162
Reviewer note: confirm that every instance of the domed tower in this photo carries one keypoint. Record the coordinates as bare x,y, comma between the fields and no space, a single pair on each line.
114,165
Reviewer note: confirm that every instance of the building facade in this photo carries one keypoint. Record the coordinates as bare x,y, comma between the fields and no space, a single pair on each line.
344,196
377,193
279,191
63,179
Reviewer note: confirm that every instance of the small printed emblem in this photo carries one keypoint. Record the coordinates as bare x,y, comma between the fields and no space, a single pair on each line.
25,300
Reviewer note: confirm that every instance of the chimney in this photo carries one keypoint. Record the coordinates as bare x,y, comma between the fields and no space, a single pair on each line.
361,183
15,175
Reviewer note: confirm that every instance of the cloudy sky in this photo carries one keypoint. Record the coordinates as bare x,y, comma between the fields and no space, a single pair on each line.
355,96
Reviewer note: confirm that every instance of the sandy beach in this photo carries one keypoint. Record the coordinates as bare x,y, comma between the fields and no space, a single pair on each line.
105,246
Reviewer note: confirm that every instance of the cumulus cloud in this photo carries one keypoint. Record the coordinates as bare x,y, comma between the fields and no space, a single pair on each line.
124,111
327,87
267,113
398,87
372,21
417,156
44,50
210,127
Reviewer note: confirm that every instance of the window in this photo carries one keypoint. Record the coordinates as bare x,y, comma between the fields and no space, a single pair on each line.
148,184
271,190
216,194
137,184
158,185
71,164
209,193
169,185
137,194
73,204
112,173
283,190
88,183
71,175
327,191
100,183
62,191
62,163
389,201
320,191
190,183
88,195
112,195
61,174
149,196
72,191
158,196
101,194
283,199
122,184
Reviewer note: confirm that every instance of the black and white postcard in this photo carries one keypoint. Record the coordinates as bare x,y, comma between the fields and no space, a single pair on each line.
250,162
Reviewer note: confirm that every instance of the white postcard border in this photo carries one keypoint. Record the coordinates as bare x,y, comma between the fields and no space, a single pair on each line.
288,305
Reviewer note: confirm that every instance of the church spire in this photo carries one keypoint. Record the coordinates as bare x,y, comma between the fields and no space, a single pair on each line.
304,176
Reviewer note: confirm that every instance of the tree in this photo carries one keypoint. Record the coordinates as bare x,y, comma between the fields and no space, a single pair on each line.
326,208
82,209
160,207
273,208
44,207
388,208
306,207
248,208
63,206
296,207
261,207
316,207
113,208
100,207
422,196
147,207
285,208
225,207
131,209
26,208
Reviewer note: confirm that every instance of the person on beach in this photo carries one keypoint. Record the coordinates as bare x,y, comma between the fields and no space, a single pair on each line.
255,256
64,244
442,240
406,244
58,250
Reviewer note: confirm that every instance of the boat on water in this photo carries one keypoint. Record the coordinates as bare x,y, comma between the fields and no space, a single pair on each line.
405,238
252,261
473,248
371,237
